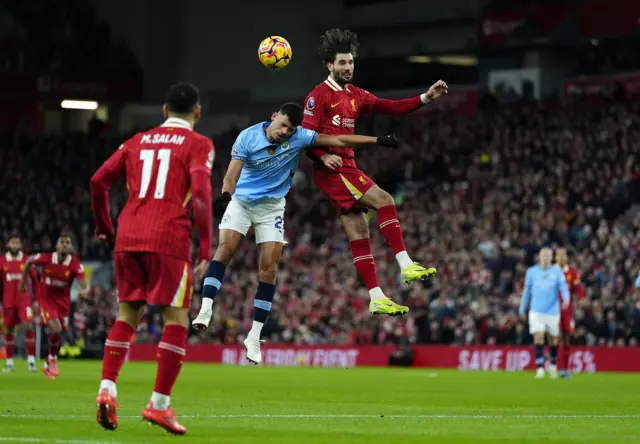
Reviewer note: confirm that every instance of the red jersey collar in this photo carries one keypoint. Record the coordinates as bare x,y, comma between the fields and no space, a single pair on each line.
334,85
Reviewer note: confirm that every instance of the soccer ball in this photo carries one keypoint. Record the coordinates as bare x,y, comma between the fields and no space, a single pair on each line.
274,52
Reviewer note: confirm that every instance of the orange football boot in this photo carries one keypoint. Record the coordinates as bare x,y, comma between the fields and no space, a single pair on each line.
106,410
163,418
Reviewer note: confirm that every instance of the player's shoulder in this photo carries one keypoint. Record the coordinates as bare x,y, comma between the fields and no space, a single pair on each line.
251,132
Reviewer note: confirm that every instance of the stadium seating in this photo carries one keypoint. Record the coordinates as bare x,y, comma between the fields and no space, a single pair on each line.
477,198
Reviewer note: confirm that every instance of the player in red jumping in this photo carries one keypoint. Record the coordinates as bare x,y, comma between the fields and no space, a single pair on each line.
59,270
332,108
567,324
17,305
168,174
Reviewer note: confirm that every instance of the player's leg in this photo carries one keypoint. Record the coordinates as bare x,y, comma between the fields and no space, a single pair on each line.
55,319
131,278
357,230
233,228
537,330
26,320
378,199
553,328
10,315
170,286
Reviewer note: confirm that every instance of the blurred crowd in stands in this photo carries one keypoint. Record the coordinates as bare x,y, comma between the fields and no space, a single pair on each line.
60,38
477,199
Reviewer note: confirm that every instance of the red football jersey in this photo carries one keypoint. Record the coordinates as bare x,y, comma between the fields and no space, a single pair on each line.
332,109
57,277
158,165
11,272
572,276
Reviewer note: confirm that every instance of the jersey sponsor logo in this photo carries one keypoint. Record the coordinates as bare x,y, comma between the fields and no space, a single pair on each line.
311,103
55,283
13,277
163,138
344,122
336,120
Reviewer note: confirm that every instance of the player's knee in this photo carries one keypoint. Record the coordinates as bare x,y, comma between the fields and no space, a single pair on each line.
224,253
176,316
378,198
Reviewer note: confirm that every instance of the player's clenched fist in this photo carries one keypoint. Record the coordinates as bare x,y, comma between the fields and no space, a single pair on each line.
438,89
332,161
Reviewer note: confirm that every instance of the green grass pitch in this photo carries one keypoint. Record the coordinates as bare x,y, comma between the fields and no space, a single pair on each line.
221,404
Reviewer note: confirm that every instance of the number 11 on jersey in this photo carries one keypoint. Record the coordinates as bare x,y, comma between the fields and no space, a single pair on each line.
148,157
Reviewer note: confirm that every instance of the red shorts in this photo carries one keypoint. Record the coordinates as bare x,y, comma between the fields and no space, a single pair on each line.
55,308
567,324
14,316
155,278
343,188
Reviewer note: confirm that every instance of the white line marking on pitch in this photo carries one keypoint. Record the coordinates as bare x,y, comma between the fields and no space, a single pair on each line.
347,416
54,441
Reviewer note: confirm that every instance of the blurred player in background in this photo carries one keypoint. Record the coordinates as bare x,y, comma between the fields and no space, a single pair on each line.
542,285
264,159
168,174
332,108
567,324
59,270
17,305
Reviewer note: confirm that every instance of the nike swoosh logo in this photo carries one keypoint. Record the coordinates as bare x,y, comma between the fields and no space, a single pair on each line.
333,106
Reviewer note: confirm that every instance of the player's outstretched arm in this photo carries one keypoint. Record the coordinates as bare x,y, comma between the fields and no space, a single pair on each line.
348,141
404,106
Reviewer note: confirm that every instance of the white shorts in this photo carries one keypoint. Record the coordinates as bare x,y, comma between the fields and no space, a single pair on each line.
543,323
266,216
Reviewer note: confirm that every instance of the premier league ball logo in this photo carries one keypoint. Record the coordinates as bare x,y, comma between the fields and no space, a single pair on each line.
311,103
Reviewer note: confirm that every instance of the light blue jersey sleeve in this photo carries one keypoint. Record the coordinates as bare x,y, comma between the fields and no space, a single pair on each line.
526,293
306,137
638,281
240,150
563,288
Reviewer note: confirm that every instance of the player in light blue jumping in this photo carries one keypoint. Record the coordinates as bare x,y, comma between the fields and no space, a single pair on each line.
264,159
542,285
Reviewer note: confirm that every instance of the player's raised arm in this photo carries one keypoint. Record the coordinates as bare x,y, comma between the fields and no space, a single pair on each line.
101,181
348,141
375,104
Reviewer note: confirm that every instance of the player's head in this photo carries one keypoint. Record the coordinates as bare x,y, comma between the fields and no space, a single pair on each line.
183,101
64,244
14,244
284,122
337,49
545,256
562,257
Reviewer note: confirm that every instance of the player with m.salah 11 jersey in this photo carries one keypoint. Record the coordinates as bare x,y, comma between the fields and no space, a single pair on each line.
17,304
332,108
168,175
567,323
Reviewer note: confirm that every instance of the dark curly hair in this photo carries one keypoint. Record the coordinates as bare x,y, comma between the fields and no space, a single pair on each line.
337,41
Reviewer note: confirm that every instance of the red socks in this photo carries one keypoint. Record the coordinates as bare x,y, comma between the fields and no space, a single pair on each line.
565,352
171,353
55,340
115,350
31,343
10,345
390,227
364,263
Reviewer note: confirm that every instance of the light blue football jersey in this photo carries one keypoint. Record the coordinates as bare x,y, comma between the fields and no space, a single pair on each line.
268,168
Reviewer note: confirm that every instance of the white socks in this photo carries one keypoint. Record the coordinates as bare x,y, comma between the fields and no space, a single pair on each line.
256,329
403,260
53,358
9,362
207,304
110,386
160,401
31,360
376,294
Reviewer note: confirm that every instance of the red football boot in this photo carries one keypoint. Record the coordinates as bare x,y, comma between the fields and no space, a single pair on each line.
106,412
163,418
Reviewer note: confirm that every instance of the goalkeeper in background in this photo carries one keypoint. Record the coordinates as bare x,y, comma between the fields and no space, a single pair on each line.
541,287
